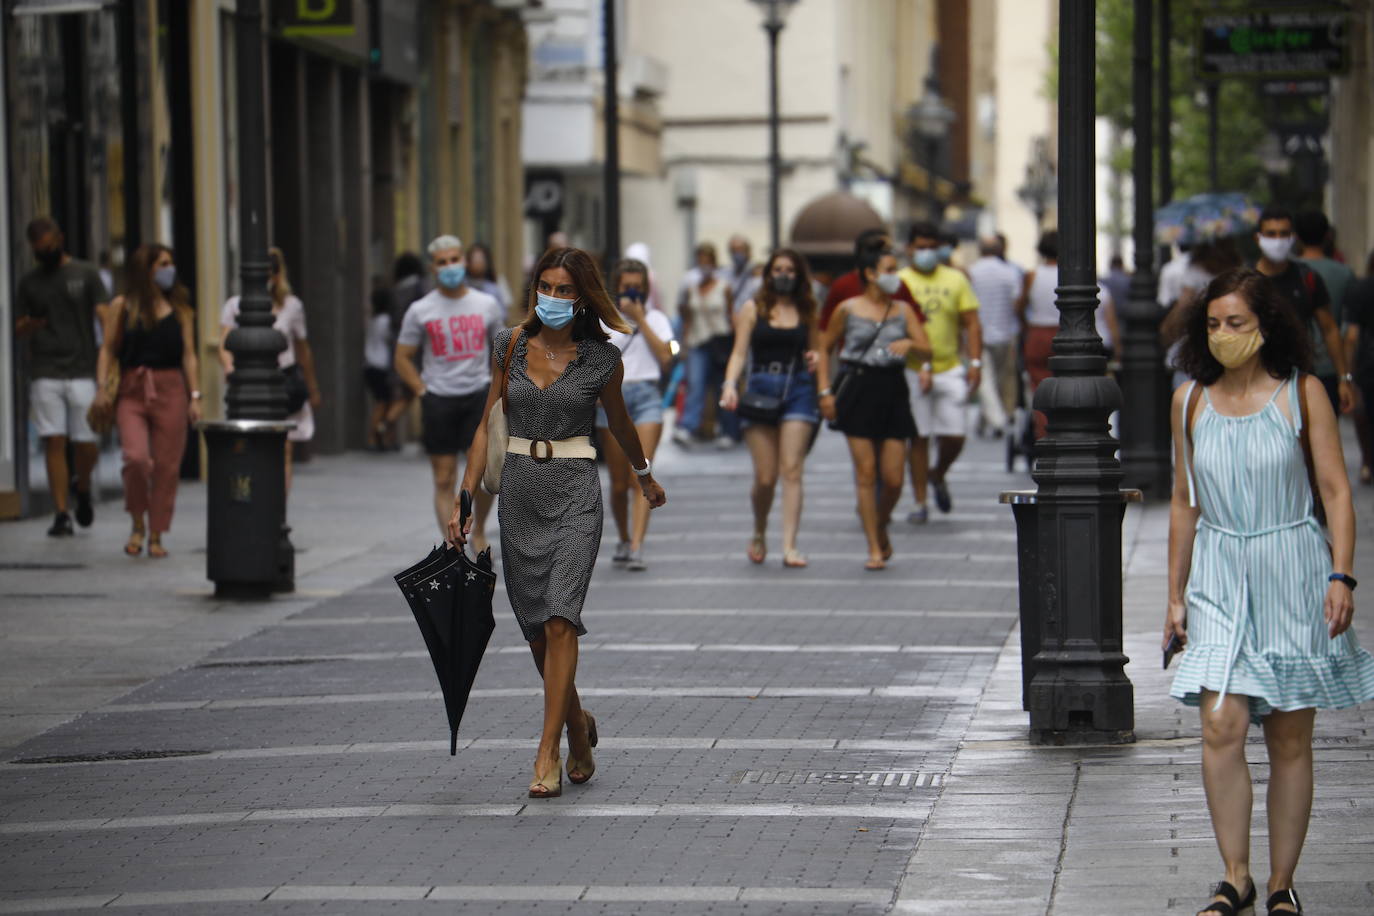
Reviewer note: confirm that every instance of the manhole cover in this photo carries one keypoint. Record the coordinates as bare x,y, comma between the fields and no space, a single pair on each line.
109,755
882,779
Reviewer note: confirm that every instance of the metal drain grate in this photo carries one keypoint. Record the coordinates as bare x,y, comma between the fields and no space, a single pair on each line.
880,779
108,756
266,662
31,565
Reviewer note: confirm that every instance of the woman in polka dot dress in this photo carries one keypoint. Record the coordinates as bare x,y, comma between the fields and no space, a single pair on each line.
550,507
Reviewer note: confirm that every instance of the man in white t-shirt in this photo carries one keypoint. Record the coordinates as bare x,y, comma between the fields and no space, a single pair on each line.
451,329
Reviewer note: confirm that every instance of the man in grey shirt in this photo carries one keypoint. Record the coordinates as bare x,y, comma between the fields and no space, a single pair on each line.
450,328
57,305
997,284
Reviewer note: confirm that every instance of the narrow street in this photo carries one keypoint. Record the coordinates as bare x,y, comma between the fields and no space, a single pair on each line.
767,735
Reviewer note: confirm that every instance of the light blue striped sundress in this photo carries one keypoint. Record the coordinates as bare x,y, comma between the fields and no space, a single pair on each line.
1256,593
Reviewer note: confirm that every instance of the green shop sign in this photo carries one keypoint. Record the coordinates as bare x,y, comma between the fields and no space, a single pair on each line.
313,18
1273,43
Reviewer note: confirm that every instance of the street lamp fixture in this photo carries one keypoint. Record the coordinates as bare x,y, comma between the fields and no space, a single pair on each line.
931,116
774,19
1041,184
930,119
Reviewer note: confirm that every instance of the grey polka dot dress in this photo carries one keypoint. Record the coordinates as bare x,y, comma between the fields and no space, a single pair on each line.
550,512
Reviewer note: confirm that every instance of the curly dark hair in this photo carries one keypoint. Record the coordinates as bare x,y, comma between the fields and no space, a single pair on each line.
1286,342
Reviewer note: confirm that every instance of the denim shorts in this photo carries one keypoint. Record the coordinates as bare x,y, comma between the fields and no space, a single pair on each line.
800,403
642,400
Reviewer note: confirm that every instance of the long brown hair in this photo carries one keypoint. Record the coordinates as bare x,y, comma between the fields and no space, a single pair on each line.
802,296
282,288
597,306
140,299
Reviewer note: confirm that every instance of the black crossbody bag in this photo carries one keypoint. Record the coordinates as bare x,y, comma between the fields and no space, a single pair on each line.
763,408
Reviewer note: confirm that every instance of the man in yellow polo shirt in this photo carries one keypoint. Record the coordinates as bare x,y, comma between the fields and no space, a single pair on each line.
940,388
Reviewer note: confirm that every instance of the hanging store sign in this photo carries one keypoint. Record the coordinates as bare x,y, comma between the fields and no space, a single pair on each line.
1273,43
314,18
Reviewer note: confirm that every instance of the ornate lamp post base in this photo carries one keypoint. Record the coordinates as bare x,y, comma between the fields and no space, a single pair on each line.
248,553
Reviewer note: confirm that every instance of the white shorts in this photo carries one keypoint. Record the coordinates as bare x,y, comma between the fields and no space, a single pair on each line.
940,411
58,407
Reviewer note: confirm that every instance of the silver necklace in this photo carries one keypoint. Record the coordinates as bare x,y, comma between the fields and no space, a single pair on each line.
549,352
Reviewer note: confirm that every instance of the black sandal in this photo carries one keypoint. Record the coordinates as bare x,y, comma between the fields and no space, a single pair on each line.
1288,896
1233,905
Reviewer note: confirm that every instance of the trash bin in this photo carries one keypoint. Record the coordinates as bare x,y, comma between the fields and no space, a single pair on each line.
248,553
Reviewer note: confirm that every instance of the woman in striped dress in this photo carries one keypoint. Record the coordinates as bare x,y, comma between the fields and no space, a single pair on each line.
1262,603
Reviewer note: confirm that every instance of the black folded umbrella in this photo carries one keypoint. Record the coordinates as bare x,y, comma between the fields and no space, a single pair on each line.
450,596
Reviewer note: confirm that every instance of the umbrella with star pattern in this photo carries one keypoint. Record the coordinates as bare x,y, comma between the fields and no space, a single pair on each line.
450,596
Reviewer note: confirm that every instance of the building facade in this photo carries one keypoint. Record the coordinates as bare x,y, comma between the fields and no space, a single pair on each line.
854,79
386,124
1350,192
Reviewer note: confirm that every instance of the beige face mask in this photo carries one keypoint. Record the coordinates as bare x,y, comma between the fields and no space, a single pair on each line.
1233,350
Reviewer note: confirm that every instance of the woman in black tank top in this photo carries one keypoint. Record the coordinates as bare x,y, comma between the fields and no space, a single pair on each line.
776,342
150,331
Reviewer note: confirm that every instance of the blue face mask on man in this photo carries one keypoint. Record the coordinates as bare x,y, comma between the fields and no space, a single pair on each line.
554,312
451,276
925,259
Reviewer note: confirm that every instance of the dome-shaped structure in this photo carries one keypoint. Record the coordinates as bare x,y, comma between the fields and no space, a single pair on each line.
827,226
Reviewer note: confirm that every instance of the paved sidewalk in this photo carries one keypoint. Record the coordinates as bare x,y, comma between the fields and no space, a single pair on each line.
1124,830
816,741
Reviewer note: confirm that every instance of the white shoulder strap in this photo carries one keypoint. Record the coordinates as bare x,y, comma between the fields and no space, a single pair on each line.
1187,443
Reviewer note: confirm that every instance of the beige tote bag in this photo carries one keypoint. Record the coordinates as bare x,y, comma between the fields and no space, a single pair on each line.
498,430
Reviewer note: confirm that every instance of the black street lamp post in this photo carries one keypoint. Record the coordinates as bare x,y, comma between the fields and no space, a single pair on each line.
1145,386
774,19
248,553
611,116
1070,550
1164,138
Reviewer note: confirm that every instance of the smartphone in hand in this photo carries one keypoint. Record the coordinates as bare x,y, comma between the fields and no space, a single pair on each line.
1172,649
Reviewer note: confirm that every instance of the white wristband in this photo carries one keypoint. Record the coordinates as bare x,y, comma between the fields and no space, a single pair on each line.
644,471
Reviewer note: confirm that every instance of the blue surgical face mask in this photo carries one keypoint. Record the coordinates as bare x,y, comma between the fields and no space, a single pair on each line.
926,259
451,276
165,277
553,312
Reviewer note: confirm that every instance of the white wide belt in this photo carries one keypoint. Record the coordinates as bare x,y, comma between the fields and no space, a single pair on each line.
548,449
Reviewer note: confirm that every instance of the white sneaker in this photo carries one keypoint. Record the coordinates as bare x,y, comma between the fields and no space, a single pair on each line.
683,438
622,552
636,562
724,443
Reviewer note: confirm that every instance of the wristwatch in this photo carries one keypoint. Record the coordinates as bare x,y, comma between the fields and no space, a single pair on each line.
644,471
195,395
1349,581
1348,377
975,364
824,393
